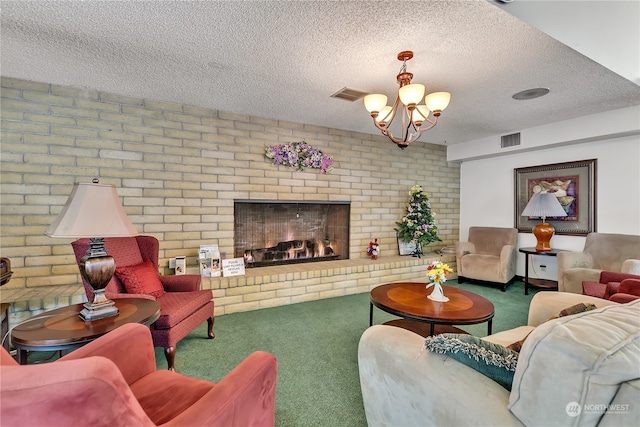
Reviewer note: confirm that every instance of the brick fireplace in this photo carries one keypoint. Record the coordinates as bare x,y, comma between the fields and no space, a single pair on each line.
270,233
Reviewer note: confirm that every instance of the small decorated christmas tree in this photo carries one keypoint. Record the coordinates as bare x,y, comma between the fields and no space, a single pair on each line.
418,224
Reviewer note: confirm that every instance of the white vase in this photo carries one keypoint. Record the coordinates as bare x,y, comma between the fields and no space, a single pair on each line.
437,294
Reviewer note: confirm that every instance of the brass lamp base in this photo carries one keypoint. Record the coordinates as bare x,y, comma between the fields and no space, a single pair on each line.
97,268
543,232
100,308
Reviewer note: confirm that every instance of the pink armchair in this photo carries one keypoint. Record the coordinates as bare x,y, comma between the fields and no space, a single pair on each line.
182,307
113,381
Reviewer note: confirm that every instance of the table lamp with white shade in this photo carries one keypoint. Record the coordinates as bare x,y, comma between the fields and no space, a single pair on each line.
543,205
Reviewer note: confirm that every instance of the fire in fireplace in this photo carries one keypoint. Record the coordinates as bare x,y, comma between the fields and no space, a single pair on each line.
271,232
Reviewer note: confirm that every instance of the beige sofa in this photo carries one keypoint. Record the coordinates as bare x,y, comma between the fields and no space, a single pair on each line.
591,358
489,255
611,252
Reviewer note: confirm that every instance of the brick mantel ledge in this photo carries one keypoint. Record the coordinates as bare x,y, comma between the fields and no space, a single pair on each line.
264,287
260,287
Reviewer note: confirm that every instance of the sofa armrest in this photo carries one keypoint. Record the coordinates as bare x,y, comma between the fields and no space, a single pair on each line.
130,347
181,283
631,266
628,290
547,304
464,248
630,286
119,295
244,397
623,298
507,262
89,391
405,385
571,260
628,393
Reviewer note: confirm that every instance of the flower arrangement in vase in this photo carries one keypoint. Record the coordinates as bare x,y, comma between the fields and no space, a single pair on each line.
437,273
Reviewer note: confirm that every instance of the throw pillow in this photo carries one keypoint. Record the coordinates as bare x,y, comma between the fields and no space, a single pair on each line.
517,346
141,279
574,309
492,360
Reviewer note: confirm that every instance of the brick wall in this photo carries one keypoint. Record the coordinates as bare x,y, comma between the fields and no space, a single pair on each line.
179,168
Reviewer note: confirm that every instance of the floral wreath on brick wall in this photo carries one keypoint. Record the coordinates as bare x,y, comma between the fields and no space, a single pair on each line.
299,155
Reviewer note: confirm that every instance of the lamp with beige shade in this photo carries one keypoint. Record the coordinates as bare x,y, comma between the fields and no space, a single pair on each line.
94,209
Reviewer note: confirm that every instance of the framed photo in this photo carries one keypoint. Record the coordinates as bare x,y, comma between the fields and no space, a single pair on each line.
406,248
573,183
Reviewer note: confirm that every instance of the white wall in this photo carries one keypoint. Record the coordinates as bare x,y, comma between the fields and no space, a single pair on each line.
589,27
596,127
487,192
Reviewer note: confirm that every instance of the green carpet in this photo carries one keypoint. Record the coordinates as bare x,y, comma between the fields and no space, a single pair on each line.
316,344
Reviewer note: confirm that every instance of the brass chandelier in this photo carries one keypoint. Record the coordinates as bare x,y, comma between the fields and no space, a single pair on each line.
416,118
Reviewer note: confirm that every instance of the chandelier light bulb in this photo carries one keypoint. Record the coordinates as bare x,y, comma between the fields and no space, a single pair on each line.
411,94
437,101
419,114
383,115
375,102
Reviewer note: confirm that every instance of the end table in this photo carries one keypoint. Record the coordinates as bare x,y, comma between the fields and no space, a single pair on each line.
532,251
62,328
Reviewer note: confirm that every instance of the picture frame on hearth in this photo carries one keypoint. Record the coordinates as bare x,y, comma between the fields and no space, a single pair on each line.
406,248
573,183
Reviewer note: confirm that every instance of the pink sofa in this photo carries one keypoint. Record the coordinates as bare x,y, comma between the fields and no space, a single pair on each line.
182,308
618,287
113,381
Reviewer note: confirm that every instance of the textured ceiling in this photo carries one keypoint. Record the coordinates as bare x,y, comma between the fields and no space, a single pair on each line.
284,59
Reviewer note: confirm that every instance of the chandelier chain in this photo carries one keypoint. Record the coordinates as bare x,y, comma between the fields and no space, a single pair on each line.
403,69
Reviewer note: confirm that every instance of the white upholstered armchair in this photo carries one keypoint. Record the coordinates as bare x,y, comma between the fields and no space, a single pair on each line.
488,255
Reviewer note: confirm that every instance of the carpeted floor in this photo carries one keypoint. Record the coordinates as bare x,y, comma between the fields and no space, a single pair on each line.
316,345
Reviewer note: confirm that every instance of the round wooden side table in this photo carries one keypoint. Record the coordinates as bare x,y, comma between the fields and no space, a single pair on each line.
62,328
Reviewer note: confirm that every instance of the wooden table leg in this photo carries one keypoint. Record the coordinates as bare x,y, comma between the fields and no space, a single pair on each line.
370,314
526,274
22,356
4,313
489,326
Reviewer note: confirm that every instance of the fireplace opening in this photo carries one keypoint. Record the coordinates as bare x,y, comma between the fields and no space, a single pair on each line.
273,232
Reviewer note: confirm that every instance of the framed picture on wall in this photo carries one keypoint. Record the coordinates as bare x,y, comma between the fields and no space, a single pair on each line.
573,183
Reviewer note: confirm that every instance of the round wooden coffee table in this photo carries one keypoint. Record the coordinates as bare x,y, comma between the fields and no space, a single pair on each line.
425,317
62,328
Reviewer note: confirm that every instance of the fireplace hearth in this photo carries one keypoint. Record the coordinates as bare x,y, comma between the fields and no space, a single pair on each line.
268,233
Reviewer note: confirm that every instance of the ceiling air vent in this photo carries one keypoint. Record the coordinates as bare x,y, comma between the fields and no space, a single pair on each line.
349,94
510,140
